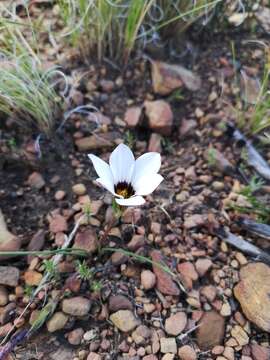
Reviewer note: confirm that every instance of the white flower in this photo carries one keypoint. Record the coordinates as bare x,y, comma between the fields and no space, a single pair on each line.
126,178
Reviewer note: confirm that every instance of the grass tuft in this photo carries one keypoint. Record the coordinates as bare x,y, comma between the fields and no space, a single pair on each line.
114,28
27,93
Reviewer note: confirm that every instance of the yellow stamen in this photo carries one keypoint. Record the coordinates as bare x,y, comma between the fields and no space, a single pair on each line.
123,192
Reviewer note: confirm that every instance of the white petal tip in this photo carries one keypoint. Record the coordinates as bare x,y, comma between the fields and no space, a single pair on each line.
132,201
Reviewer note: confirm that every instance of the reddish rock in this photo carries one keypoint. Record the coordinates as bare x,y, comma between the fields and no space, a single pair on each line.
209,292
75,336
73,283
32,277
168,77
136,242
118,258
86,240
150,357
160,116
119,302
93,142
58,224
165,283
36,243
260,352
155,143
188,272
186,352
133,116
176,323
5,329
36,181
253,294
187,127
202,266
148,279
93,356
194,220
211,330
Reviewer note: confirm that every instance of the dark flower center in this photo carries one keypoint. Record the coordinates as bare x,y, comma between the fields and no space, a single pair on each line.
124,189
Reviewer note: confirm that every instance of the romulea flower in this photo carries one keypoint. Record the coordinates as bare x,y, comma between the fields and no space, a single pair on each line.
126,178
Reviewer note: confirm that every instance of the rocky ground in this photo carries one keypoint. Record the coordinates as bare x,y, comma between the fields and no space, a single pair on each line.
214,303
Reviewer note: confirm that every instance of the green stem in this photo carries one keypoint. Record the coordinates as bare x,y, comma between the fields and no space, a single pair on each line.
73,251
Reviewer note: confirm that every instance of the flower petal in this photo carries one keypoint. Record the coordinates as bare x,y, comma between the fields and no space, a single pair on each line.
107,185
132,201
122,164
147,164
104,172
147,184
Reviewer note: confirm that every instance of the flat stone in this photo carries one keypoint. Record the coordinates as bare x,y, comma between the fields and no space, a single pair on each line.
240,335
100,141
168,77
211,330
253,294
165,283
176,323
36,181
168,345
150,357
136,242
58,224
168,357
124,320
86,240
260,352
195,220
133,116
119,302
209,292
57,322
94,356
32,277
76,306
9,275
186,352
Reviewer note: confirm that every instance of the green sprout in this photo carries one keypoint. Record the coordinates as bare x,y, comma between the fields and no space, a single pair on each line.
50,268
84,271
12,143
28,290
129,139
117,210
96,286
211,157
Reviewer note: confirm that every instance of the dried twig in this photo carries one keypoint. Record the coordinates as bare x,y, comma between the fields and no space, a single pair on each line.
243,245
